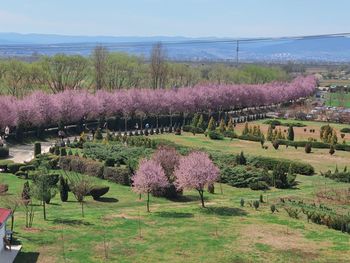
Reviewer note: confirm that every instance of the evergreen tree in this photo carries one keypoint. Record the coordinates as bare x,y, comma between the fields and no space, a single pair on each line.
201,123
222,126
230,126
64,188
290,133
195,120
26,191
211,125
246,129
269,136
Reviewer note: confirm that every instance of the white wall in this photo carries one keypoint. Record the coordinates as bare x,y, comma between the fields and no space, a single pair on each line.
2,234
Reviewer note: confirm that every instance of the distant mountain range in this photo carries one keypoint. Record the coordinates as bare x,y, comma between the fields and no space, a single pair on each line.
335,49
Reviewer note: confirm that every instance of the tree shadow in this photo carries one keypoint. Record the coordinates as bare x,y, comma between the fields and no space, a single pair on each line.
54,204
72,222
165,214
224,211
187,198
27,257
107,200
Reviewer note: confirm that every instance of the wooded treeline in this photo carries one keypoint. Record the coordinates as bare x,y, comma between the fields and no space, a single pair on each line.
113,71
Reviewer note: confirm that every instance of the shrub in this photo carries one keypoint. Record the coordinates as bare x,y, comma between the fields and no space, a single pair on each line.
187,128
331,150
269,163
308,148
63,151
214,135
272,122
27,168
14,167
98,135
273,208
211,188
178,131
21,174
259,185
109,162
120,175
98,191
345,130
230,134
240,159
275,144
37,148
26,191
256,204
4,152
249,137
4,164
70,152
64,189
242,202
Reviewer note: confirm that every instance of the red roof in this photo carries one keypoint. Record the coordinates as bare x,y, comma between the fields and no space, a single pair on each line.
4,215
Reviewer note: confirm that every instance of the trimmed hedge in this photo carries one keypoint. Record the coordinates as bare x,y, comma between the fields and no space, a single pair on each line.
4,164
345,130
119,175
214,135
271,163
13,168
249,137
4,152
98,191
317,145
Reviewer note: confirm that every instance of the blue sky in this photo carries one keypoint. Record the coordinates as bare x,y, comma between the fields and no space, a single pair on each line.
194,18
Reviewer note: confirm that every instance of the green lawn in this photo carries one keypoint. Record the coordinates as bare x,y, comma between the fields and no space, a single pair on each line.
338,99
182,231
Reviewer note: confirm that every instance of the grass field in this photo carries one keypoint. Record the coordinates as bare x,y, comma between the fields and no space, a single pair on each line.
333,99
118,228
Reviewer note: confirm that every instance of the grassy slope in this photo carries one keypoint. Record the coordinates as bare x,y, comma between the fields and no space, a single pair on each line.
224,232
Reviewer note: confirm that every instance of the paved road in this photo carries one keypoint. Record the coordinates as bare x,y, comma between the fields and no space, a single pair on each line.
25,152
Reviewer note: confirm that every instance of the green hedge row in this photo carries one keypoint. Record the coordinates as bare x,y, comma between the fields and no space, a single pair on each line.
271,163
317,145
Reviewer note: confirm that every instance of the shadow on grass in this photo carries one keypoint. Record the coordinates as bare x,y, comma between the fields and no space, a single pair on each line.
72,222
187,198
27,257
107,200
174,214
223,211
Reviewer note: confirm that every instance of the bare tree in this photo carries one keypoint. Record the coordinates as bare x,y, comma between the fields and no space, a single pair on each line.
159,67
81,186
99,58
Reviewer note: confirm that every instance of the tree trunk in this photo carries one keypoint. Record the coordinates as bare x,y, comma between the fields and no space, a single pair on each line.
82,209
44,210
148,202
202,197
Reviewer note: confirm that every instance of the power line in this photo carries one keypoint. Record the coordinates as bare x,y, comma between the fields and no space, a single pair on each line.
89,45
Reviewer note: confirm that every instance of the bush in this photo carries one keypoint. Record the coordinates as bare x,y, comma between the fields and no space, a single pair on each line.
98,191
230,134
81,165
4,164
27,168
275,145
308,148
37,148
249,137
109,162
187,128
259,185
64,189
269,163
63,151
120,175
4,152
178,131
13,168
331,150
98,135
345,130
256,204
21,174
214,135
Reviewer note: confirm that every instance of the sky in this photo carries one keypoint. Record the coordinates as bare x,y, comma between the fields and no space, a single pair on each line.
190,18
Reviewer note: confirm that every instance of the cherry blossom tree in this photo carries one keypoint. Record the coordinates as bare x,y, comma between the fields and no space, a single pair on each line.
195,171
149,176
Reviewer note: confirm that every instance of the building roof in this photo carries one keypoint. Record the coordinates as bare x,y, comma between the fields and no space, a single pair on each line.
4,215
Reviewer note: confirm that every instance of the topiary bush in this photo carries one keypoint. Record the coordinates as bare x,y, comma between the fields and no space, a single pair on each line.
308,148
27,168
4,152
4,164
214,135
14,167
37,148
98,191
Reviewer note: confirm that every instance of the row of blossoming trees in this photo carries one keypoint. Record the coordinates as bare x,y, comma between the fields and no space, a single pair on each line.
72,106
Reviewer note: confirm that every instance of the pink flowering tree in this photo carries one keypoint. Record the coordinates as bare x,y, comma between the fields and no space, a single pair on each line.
195,171
149,176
